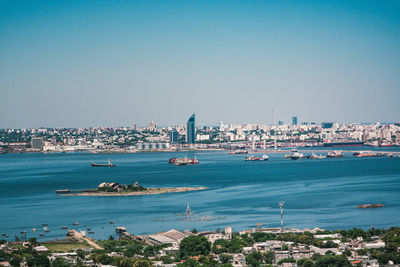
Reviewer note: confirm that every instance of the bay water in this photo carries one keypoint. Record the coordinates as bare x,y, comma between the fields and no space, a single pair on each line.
317,193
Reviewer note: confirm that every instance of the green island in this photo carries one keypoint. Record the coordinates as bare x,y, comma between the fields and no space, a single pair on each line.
116,189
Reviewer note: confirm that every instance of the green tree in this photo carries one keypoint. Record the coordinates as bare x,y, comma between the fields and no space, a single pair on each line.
225,258
254,259
305,262
194,245
269,257
16,259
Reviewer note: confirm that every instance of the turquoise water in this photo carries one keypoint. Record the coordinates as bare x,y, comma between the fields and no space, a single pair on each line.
317,193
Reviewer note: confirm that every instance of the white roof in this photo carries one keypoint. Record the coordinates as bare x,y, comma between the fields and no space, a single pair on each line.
40,248
162,239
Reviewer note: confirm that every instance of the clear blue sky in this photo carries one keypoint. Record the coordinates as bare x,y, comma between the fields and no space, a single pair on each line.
111,63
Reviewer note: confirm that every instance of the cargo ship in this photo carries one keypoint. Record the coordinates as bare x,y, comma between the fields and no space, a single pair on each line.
109,164
343,143
362,154
253,158
183,161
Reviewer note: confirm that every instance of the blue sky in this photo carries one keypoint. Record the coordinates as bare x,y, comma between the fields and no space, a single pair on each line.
112,63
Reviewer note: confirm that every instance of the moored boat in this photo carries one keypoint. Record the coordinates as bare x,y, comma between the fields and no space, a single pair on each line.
335,154
254,158
109,164
296,155
63,191
183,161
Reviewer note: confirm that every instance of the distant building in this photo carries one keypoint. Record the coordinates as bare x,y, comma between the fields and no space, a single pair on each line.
37,143
280,122
294,120
190,130
152,126
173,137
327,125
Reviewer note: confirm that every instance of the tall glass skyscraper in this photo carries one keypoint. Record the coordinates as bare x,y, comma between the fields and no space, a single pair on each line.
190,131
294,120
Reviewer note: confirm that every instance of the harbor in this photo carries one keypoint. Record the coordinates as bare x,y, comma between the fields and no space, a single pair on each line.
239,193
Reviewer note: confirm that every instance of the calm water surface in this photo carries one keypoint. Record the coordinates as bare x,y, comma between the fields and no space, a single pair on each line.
317,193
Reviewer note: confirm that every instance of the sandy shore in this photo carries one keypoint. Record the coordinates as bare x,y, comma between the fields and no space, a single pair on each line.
149,191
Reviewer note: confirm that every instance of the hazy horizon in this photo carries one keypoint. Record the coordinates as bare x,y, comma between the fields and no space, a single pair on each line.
83,64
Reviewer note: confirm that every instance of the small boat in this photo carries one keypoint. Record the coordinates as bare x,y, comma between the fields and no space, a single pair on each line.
45,224
63,191
109,164
111,222
41,234
76,223
314,156
64,227
335,154
90,233
47,230
296,155
88,228
22,232
34,229
3,234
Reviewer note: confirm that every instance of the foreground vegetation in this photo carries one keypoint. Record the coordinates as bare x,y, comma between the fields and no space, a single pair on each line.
196,251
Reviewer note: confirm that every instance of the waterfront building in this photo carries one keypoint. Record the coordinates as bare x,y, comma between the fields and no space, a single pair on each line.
190,130
37,143
173,137
294,120
280,122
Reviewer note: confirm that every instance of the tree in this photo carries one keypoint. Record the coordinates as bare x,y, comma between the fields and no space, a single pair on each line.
16,260
305,262
194,245
254,259
38,260
225,258
80,253
286,260
269,257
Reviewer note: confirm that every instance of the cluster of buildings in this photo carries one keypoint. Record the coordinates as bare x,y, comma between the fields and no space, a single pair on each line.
281,249
188,136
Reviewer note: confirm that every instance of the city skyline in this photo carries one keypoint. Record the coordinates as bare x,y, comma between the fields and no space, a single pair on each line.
83,64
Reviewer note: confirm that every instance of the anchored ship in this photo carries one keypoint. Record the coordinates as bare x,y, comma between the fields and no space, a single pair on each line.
253,158
109,164
183,161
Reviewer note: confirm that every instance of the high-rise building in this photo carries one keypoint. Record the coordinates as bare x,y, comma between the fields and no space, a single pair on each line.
152,126
190,130
327,125
173,137
294,120
37,143
280,122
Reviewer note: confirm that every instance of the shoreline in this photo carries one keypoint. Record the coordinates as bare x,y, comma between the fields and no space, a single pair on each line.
149,191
